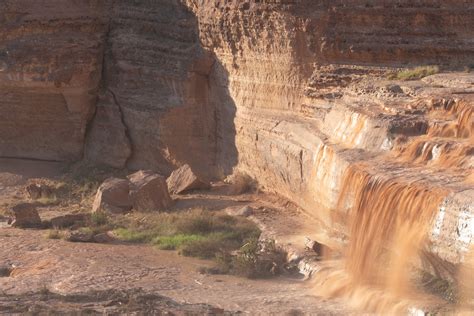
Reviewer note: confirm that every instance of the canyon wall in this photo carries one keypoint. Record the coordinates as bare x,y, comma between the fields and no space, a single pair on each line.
314,108
293,92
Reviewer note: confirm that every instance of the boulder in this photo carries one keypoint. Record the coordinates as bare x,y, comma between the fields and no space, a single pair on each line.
80,236
26,216
104,238
113,196
184,179
149,191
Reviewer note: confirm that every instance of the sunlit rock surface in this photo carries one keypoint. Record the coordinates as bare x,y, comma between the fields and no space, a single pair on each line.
294,93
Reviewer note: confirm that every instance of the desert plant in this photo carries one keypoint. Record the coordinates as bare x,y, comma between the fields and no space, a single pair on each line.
255,259
196,233
241,183
415,73
99,218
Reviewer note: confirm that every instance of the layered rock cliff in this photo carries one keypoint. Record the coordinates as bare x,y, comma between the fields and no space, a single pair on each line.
292,92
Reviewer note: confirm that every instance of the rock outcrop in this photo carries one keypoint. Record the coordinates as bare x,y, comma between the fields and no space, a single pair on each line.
50,70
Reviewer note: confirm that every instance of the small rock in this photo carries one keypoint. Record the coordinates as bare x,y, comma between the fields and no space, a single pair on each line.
149,191
5,271
26,216
245,211
80,236
184,179
37,191
394,88
314,245
104,238
113,196
68,220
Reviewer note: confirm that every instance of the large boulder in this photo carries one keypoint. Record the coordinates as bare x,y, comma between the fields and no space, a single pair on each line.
184,179
26,216
113,196
149,191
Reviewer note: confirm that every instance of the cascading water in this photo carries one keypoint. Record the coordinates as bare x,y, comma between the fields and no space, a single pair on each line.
390,213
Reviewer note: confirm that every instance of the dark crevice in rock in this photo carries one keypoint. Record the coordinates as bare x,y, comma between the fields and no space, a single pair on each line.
126,129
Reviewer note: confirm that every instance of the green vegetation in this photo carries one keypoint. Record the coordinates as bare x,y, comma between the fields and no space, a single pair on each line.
232,242
415,73
255,259
99,218
195,233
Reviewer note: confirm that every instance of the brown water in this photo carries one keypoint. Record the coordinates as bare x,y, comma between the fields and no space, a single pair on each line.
389,218
390,214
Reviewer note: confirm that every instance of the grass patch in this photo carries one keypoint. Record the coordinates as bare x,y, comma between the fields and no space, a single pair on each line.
415,73
176,241
195,233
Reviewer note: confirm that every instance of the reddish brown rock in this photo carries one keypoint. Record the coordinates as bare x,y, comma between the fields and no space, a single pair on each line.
149,191
184,179
104,238
26,216
113,196
80,236
107,140
50,69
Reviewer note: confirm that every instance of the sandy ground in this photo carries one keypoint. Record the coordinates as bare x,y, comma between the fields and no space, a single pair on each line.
66,268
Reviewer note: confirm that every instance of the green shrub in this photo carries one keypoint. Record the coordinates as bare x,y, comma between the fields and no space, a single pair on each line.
176,241
126,234
196,233
99,218
415,73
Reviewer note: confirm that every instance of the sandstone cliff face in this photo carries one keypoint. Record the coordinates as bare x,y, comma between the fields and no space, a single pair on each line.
292,92
50,69
157,73
313,105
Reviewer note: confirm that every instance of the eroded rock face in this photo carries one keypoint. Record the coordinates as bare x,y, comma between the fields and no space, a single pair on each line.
149,191
184,179
107,142
113,196
50,69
